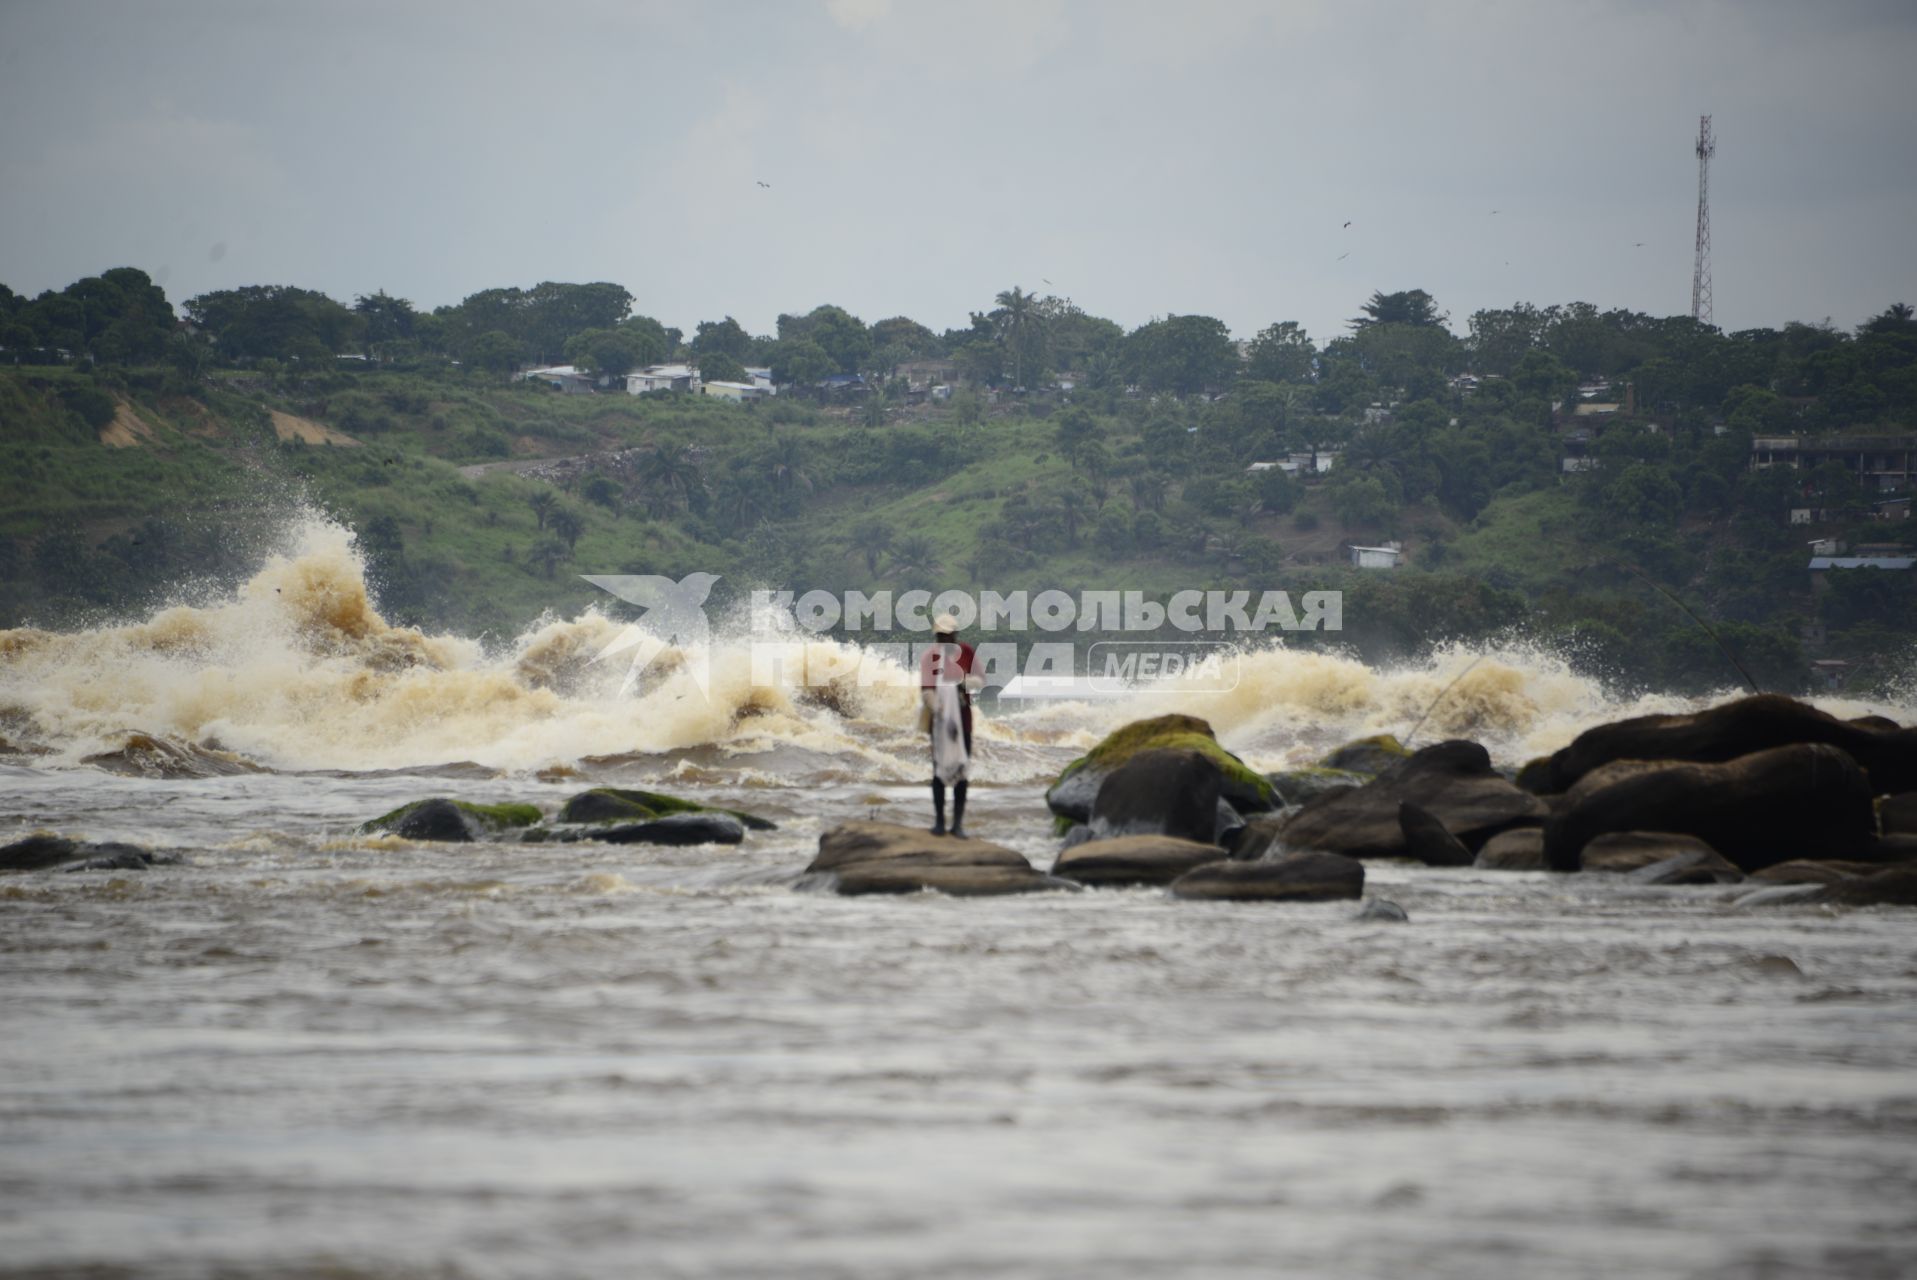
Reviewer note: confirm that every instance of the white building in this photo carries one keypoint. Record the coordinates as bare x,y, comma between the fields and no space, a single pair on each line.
1381,557
663,377
736,390
561,377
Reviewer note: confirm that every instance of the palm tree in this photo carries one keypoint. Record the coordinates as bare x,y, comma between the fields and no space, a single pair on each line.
915,554
567,525
542,505
871,539
1148,491
1020,325
788,466
547,554
671,469
740,499
1073,506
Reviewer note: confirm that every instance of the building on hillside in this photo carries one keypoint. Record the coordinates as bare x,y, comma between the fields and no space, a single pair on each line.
663,377
1890,509
1827,546
1882,463
1385,556
736,390
1820,564
561,377
761,376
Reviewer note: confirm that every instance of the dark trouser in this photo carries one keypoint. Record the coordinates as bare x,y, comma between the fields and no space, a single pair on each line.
958,788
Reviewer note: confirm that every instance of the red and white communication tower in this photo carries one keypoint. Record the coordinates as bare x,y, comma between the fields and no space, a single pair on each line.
1701,270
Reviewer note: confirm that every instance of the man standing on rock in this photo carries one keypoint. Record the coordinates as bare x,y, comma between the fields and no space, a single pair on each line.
946,686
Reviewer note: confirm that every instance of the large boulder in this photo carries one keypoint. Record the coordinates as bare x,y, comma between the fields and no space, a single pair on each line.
1452,781
620,804
1519,849
1131,860
1426,839
1740,728
1161,792
1808,800
882,857
1073,794
1299,877
454,820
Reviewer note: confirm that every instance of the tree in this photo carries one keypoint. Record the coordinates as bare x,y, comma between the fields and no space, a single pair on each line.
841,335
871,538
1500,339
717,366
274,322
1076,429
1019,326
1282,352
386,323
548,554
613,352
1181,354
915,554
602,489
801,362
542,502
725,337
567,525
1412,306
496,352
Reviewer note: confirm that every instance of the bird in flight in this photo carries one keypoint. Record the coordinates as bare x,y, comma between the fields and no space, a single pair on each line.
1347,222
766,185
1043,280
1638,245
1341,257
1494,213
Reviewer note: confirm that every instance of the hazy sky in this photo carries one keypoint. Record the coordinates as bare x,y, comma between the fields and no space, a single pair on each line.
1143,157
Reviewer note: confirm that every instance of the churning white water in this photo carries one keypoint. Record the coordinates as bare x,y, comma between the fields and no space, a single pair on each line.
309,1052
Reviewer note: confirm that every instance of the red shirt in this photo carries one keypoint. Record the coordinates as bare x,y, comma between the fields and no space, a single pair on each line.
932,667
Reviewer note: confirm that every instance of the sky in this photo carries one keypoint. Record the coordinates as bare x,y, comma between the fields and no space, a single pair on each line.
919,156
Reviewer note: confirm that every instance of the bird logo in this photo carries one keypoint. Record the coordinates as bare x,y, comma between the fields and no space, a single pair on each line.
674,616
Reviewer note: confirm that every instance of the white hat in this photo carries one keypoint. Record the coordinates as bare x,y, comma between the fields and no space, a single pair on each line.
945,625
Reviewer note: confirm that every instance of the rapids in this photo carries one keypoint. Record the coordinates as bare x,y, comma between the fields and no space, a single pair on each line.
309,1052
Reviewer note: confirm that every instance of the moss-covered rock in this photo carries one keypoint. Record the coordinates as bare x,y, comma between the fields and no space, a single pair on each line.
1071,796
440,818
627,805
1370,756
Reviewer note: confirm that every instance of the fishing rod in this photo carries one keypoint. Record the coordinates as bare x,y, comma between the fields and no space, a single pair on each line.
1705,626
1406,740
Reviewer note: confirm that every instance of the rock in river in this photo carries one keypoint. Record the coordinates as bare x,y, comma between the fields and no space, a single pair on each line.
1161,792
1298,877
1801,801
1452,781
1131,860
458,820
1073,794
883,857
1739,728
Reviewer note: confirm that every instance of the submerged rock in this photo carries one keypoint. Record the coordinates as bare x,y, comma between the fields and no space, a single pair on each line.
1134,860
1298,877
1896,887
1520,849
674,828
147,756
1383,911
620,804
43,850
1628,852
1694,866
451,820
1739,728
1803,871
1452,781
883,857
1801,801
1077,787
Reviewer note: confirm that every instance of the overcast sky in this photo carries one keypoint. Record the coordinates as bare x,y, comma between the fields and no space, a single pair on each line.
1140,157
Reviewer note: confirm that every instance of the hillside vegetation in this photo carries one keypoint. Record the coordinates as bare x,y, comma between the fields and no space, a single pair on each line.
479,500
